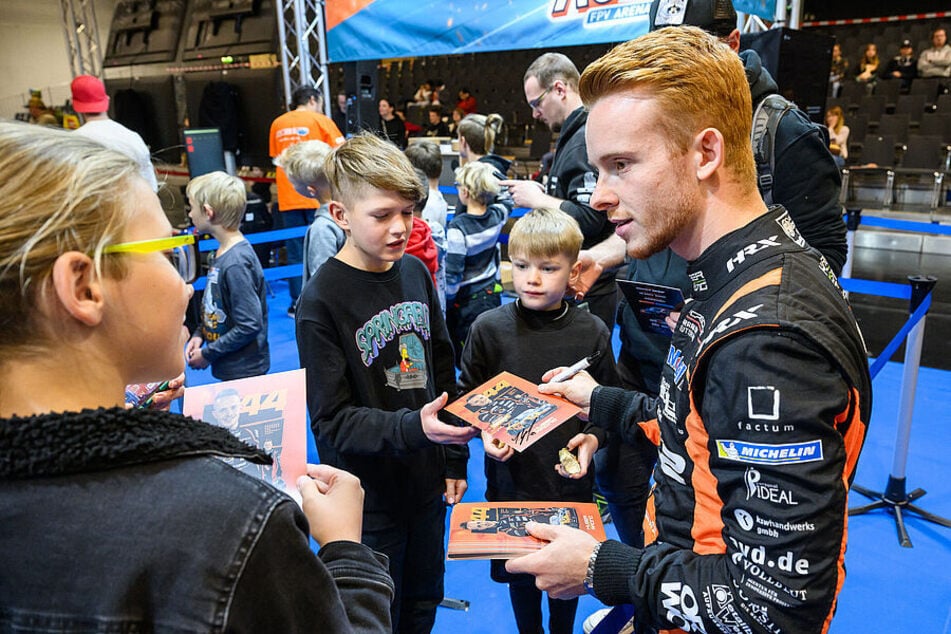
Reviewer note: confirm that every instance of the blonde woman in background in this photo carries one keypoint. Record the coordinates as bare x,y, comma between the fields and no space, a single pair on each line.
868,66
838,135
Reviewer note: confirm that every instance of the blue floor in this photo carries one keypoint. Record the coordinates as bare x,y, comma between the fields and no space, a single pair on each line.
888,588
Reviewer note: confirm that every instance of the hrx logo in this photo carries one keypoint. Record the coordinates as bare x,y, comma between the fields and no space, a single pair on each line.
749,250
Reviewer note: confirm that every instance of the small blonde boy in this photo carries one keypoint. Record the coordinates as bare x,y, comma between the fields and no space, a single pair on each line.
473,282
537,332
379,365
303,164
232,336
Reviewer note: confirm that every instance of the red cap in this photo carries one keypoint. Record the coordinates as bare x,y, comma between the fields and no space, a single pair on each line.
89,94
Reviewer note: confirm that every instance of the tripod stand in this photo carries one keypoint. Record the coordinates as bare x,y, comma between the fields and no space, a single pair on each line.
895,497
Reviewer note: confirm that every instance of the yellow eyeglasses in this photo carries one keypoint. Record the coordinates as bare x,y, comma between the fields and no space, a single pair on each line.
182,252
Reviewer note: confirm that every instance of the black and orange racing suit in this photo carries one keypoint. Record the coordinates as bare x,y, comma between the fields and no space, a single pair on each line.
762,413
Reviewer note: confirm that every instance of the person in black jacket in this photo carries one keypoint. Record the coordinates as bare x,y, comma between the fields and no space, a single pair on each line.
128,519
435,126
903,66
392,127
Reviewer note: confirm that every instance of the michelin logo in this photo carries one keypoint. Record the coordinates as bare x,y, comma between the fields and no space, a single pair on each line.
759,453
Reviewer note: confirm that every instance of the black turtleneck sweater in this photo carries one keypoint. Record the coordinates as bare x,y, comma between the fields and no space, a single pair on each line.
528,343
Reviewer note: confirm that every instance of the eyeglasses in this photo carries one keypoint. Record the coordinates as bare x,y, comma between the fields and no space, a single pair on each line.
537,101
182,252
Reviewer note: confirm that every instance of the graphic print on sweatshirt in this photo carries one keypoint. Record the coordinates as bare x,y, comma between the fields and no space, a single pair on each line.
402,324
213,317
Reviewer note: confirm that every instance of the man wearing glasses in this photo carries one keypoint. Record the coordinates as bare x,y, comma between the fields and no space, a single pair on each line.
551,89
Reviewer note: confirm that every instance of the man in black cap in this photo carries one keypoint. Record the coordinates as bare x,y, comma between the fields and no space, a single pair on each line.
903,66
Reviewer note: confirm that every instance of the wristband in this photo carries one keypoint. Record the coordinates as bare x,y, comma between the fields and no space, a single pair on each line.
589,575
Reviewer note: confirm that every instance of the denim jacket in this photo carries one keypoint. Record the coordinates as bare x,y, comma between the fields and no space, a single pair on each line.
124,521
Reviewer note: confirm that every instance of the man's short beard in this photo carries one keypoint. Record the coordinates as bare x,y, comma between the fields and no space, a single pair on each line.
674,225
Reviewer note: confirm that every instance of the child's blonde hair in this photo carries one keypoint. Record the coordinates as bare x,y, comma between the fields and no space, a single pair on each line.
224,193
366,160
546,233
479,180
303,163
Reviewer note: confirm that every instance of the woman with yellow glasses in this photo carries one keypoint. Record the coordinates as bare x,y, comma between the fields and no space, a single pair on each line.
126,519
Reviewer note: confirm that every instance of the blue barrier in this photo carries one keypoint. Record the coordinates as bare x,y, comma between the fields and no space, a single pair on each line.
895,291
276,235
897,340
870,287
895,496
906,225
270,274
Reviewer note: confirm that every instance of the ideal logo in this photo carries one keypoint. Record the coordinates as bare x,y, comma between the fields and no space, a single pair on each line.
749,250
675,361
758,490
737,318
682,607
756,555
761,453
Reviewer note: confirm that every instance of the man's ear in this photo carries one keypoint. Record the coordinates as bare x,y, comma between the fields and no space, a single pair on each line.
733,40
78,288
339,214
710,150
575,275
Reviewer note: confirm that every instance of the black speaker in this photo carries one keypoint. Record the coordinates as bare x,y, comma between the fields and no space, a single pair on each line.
204,150
799,61
361,85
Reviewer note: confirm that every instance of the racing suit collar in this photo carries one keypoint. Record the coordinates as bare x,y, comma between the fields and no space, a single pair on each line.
721,262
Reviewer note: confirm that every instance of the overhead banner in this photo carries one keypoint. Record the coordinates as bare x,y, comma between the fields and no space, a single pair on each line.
378,29
765,9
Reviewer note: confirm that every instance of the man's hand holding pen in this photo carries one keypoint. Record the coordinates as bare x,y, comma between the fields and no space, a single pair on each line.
576,389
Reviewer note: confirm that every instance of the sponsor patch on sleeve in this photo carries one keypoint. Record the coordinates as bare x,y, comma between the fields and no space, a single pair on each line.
760,453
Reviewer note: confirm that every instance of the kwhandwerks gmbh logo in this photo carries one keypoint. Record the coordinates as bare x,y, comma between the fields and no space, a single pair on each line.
597,13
